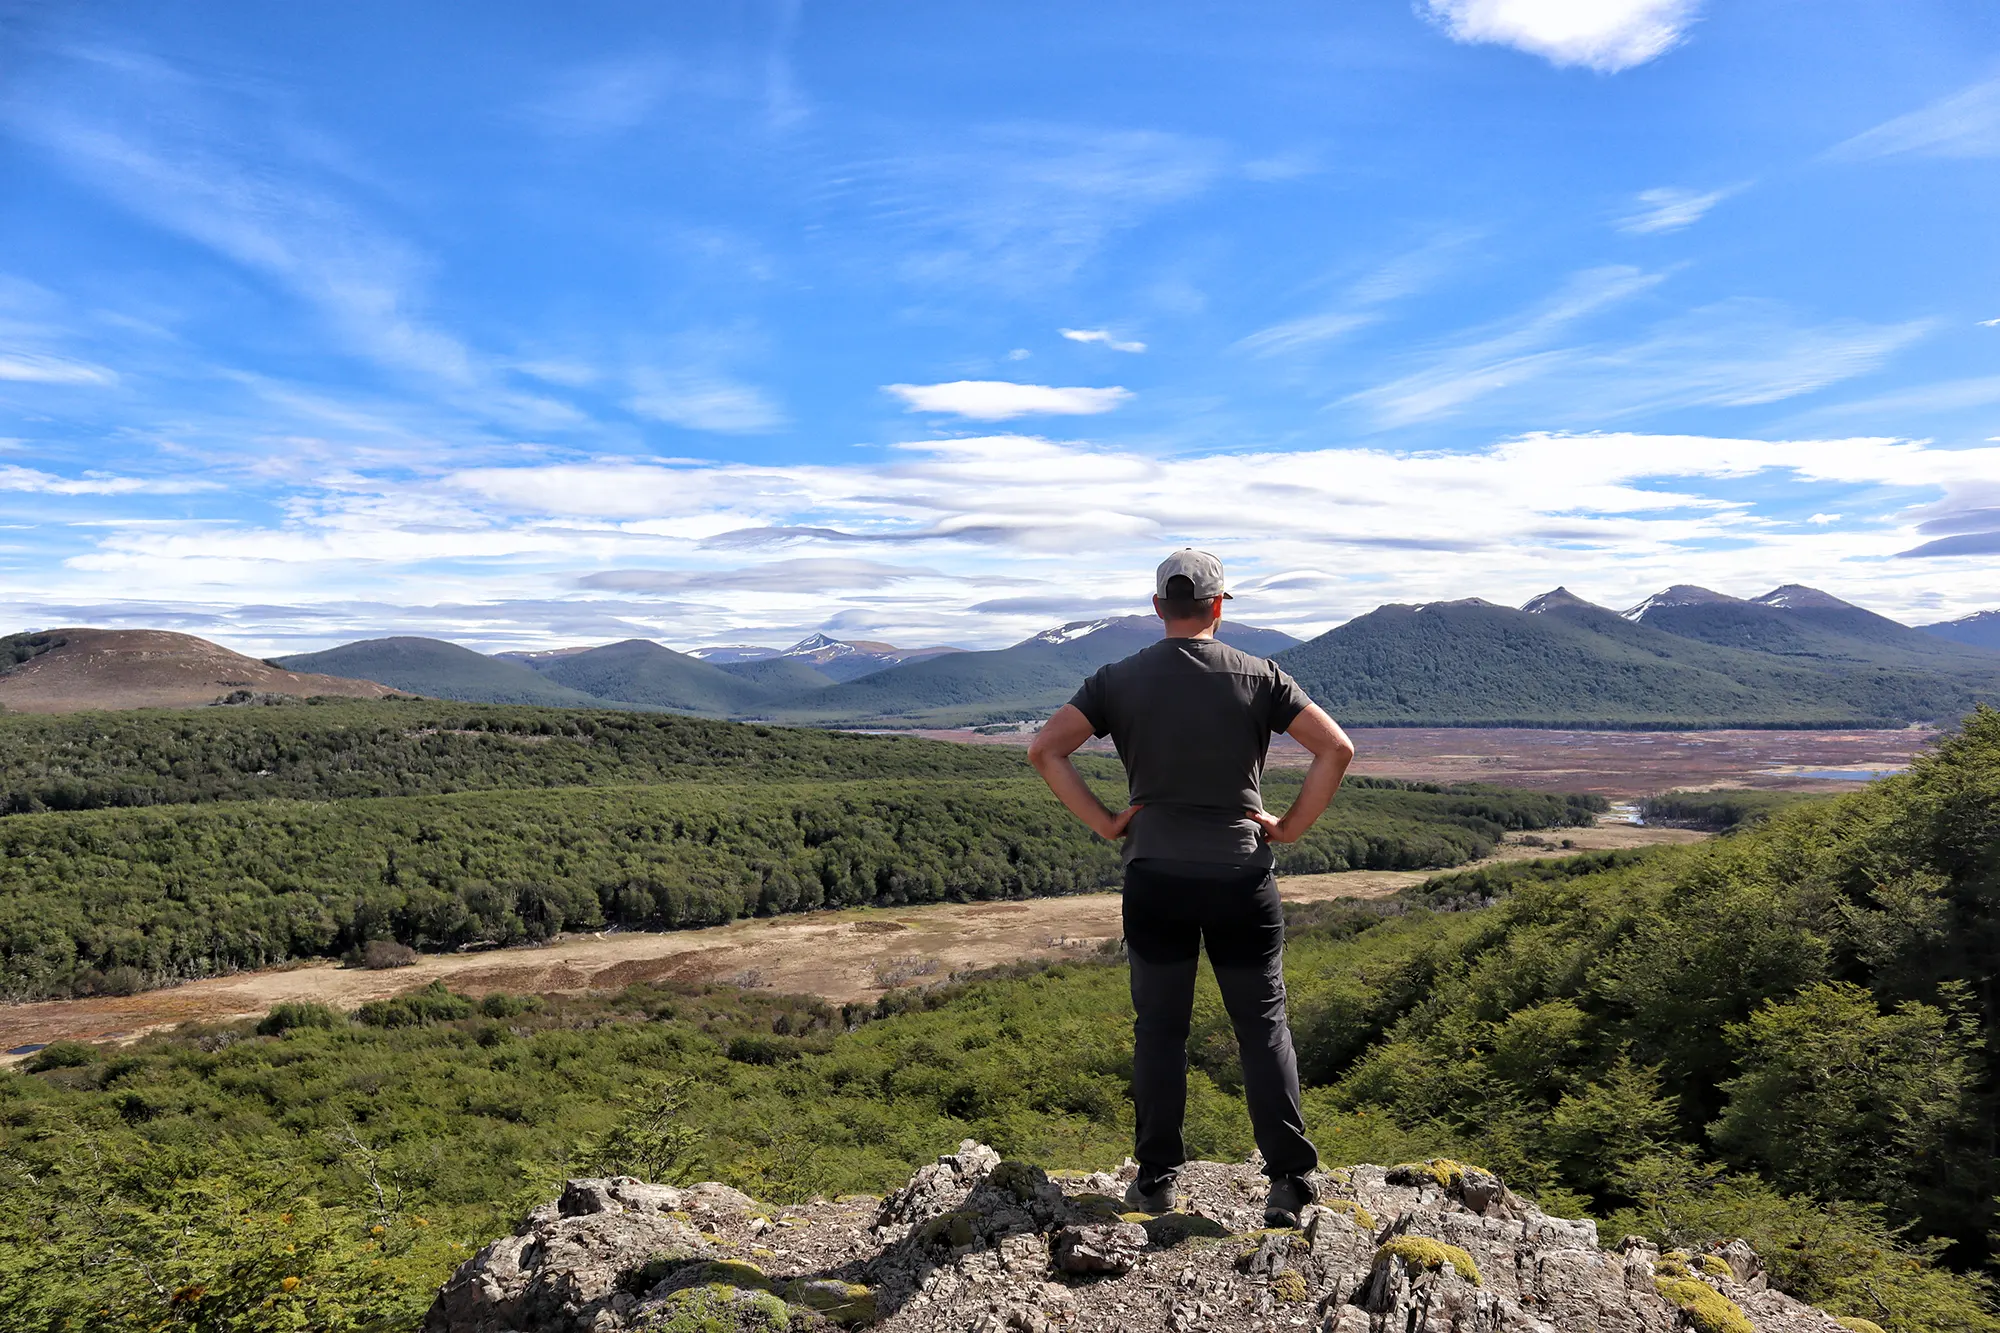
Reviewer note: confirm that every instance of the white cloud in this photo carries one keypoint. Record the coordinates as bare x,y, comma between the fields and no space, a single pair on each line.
1604,35
1989,323
1824,518
1022,353
1965,124
1668,209
1102,336
712,404
1000,400
527,554
33,368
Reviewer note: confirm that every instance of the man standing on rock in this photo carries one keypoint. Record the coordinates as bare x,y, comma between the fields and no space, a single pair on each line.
1192,719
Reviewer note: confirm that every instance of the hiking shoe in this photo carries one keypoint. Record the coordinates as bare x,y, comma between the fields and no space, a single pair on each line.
1289,1197
1153,1195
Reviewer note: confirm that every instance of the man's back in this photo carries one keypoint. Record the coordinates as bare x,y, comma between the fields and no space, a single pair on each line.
1192,719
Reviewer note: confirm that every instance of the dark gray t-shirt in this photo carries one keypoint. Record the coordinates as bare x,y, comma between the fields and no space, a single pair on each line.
1192,720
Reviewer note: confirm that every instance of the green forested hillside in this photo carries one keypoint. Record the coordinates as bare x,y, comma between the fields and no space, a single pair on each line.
83,761
1786,1035
441,670
1031,679
1815,1001
1569,663
184,891
640,671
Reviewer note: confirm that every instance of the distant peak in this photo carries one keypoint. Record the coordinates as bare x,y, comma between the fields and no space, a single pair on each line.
1556,599
1795,595
1681,594
821,644
1070,633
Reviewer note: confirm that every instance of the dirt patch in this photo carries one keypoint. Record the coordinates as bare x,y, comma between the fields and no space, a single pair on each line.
840,956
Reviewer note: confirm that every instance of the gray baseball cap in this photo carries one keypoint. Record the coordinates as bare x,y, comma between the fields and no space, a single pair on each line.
1202,570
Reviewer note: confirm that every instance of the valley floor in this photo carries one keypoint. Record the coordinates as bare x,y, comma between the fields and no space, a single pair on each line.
1608,763
839,956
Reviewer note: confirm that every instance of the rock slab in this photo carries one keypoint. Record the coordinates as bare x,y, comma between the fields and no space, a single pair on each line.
976,1244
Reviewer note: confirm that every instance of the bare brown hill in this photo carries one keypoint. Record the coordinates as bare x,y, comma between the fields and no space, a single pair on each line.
70,670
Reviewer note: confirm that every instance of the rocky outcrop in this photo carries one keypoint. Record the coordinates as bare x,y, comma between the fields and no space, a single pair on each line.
975,1244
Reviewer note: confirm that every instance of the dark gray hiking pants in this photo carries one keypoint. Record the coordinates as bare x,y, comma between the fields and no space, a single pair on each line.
1168,917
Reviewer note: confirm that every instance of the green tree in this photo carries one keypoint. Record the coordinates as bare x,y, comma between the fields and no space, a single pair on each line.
1842,1100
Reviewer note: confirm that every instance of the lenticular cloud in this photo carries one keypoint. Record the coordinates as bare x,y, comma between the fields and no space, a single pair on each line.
1604,35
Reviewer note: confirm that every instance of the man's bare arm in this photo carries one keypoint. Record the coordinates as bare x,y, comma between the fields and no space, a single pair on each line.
1332,752
1049,752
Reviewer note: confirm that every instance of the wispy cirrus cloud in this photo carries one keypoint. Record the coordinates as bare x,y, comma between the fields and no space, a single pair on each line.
239,181
1670,209
1502,356
1734,353
1604,35
1102,337
709,403
1002,400
818,575
1307,331
1390,280
1021,204
36,482
604,96
1964,125
37,368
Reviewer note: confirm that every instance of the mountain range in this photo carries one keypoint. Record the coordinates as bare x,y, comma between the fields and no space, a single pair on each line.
1686,656
1981,629
929,686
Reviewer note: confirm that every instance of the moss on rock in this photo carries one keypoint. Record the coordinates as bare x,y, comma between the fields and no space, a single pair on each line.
1440,1169
1421,1252
1856,1324
1351,1208
719,1308
1290,1287
1707,1310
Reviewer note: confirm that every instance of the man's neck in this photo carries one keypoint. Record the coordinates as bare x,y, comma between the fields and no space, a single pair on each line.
1188,629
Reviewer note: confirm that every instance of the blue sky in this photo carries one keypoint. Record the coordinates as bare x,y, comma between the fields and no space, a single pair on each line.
526,325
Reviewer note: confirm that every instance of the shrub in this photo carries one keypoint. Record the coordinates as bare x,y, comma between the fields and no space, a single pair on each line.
381,955
432,1004
62,1055
294,1014
502,1005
